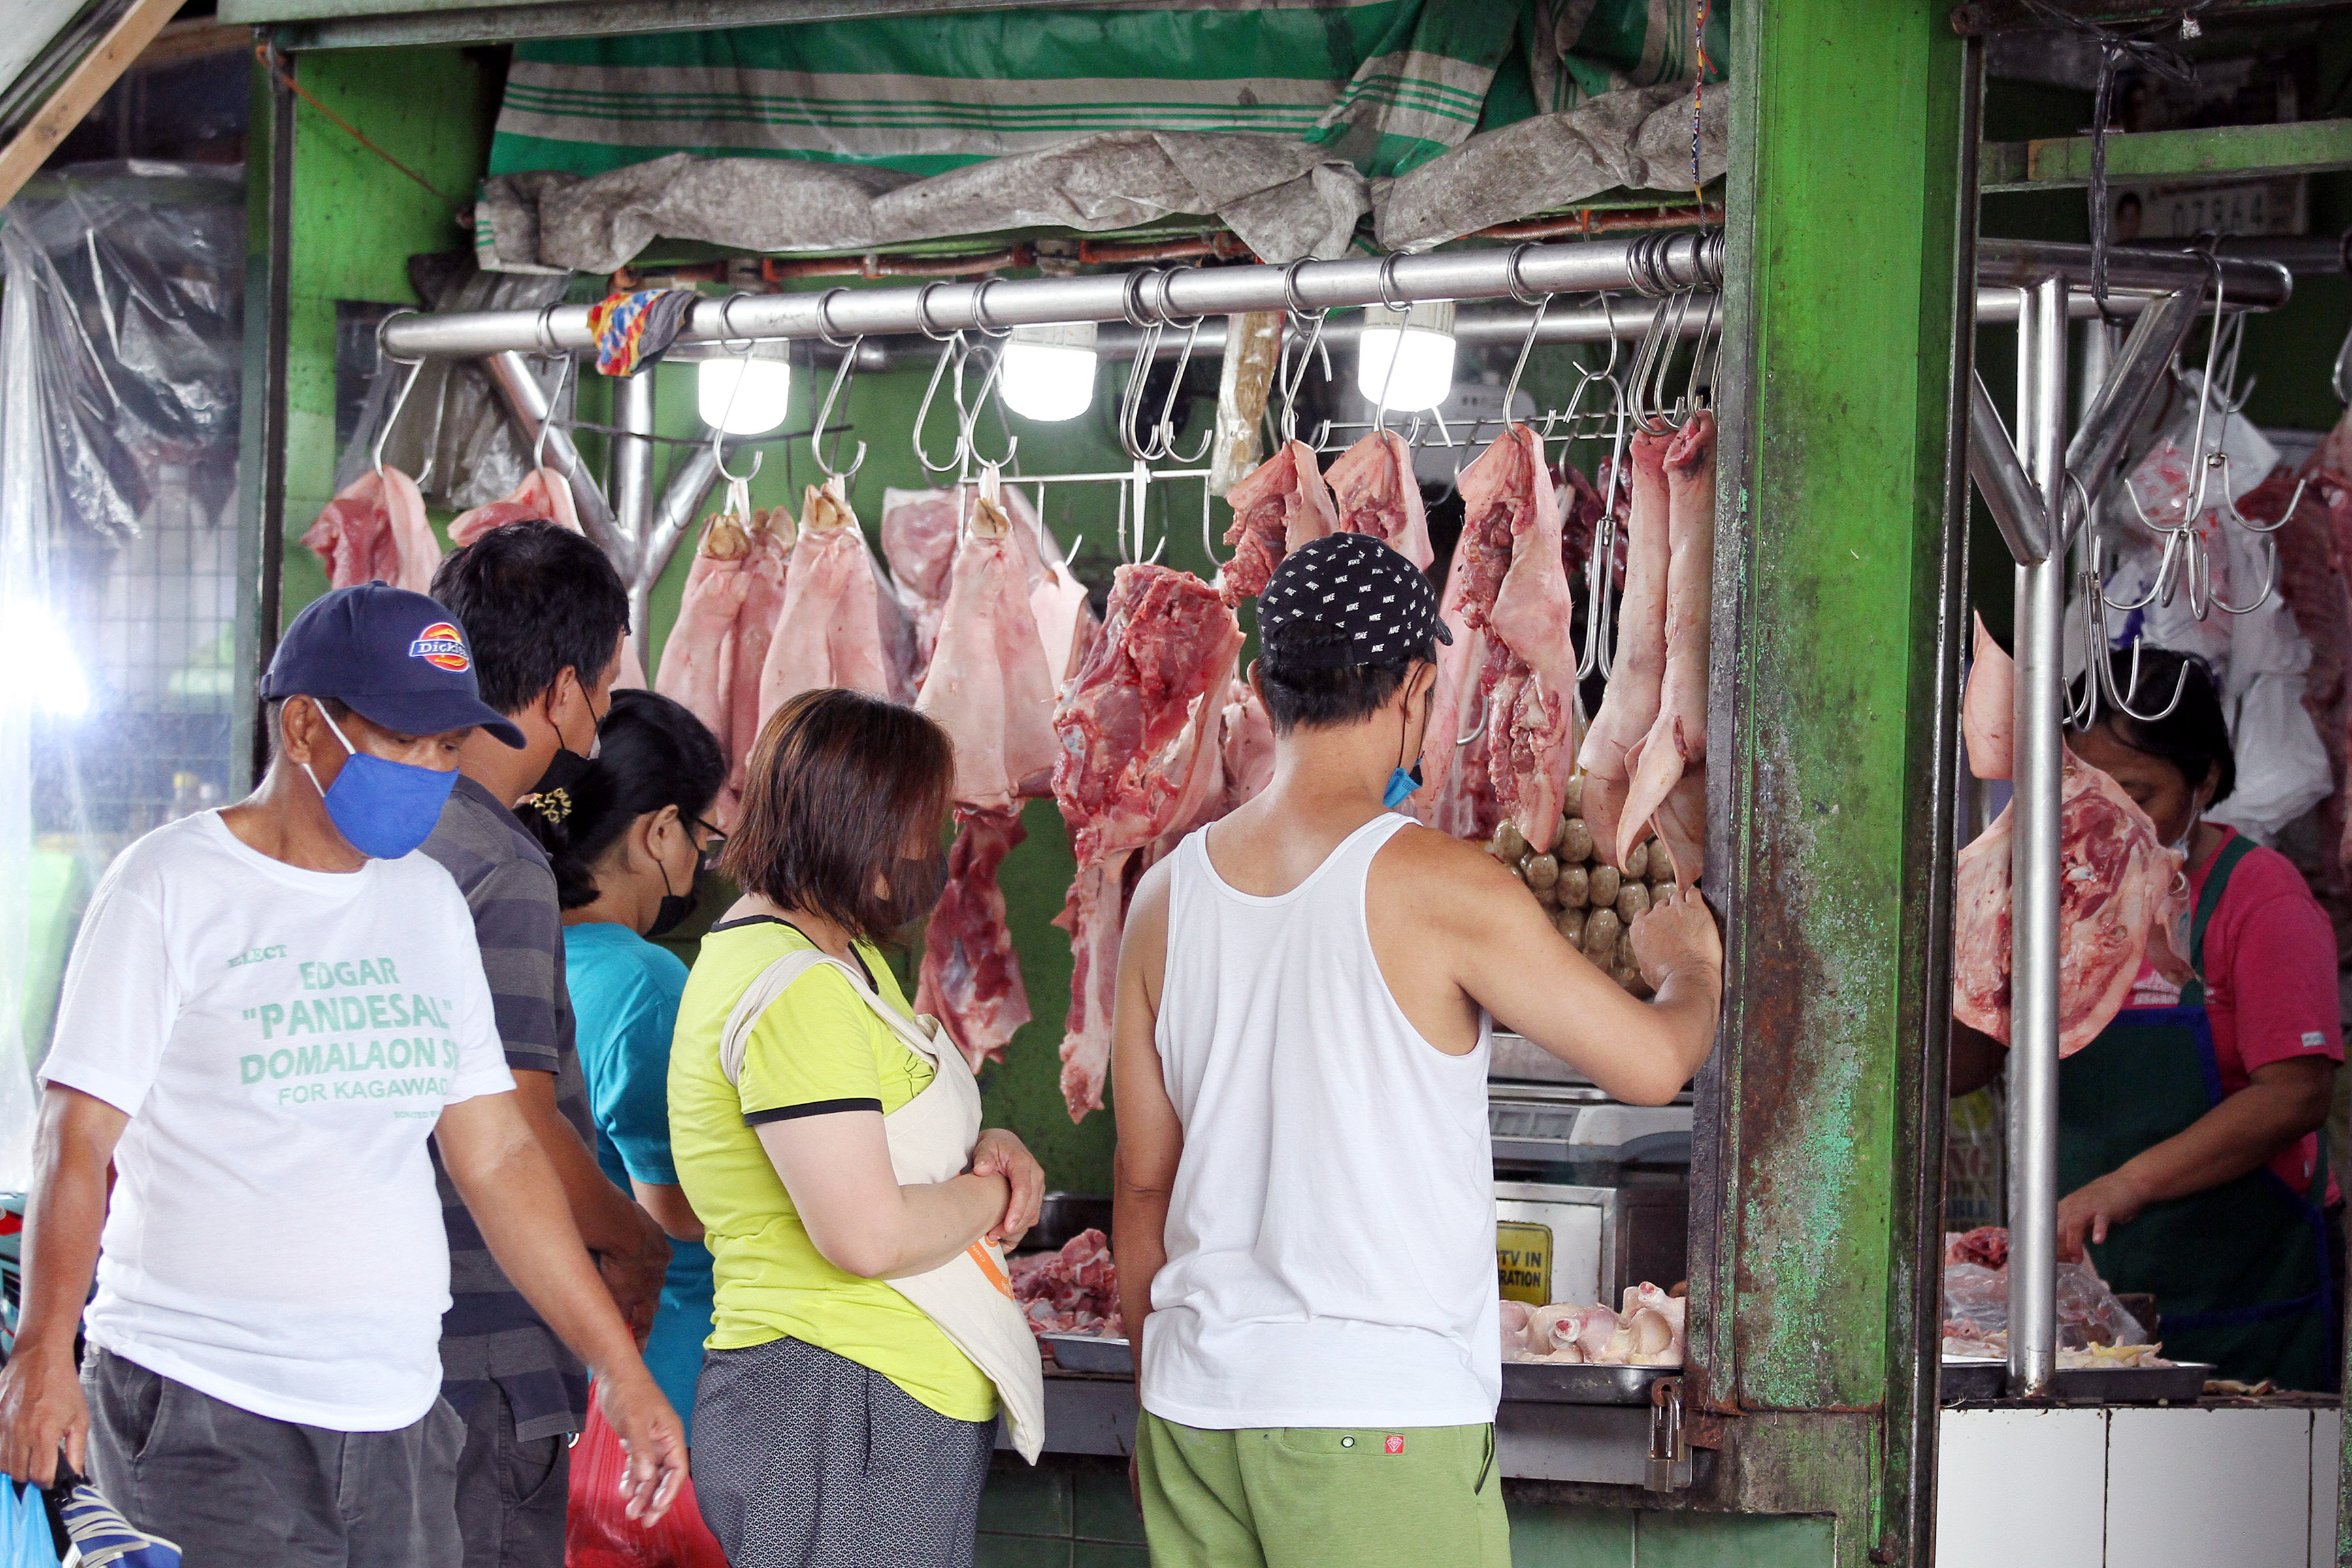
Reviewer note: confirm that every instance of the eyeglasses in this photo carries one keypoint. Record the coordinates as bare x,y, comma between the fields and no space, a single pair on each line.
711,847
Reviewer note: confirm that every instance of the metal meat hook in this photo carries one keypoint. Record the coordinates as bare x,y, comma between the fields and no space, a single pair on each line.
952,349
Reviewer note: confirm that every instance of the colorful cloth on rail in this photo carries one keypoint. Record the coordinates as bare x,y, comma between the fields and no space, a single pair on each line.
1385,84
633,330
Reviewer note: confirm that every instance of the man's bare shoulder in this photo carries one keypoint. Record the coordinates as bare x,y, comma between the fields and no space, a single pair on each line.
1450,874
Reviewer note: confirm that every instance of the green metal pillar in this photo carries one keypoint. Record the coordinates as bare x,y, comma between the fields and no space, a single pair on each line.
1817,1204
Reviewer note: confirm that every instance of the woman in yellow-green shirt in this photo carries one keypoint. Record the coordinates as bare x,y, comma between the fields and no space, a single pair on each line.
835,1423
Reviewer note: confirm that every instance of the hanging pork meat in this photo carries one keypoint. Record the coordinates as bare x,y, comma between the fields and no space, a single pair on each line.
734,592
376,530
919,538
989,687
838,624
1138,728
1373,492
1502,731
1675,747
1988,708
1630,705
544,494
1278,506
2122,897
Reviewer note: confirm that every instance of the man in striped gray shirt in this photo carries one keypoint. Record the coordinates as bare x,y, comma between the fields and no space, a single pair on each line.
545,611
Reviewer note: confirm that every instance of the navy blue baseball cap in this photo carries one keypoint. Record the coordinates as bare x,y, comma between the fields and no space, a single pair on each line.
397,658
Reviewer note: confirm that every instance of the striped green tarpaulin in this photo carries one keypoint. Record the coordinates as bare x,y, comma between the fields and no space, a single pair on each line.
1387,84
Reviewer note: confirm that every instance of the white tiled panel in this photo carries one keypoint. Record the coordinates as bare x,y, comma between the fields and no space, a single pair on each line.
2020,1486
2188,1486
2326,1457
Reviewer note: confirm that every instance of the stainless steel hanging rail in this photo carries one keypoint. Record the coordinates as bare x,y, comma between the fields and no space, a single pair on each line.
1647,263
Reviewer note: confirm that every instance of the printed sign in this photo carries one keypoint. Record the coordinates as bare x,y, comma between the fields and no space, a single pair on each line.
1523,1261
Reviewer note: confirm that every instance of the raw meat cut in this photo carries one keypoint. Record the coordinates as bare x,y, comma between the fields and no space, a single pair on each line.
1138,728
1508,681
1373,492
711,662
1247,745
833,627
2122,897
1988,708
2312,581
1073,1291
989,689
918,537
1987,1245
544,495
1279,506
1645,1330
376,530
971,979
988,685
1676,740
1581,507
1630,705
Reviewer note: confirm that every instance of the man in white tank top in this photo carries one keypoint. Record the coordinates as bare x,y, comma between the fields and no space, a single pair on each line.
1305,1226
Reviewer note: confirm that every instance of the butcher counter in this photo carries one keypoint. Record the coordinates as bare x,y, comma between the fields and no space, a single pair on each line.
1088,1413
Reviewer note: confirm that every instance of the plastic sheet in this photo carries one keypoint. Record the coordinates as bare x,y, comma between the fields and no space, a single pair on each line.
120,373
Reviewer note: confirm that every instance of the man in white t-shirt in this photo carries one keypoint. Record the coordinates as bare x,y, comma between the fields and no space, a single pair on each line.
269,1009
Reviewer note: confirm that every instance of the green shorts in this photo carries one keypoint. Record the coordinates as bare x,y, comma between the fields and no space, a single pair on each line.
1321,1497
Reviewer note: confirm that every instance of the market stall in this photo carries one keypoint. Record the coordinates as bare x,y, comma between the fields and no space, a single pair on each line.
955,382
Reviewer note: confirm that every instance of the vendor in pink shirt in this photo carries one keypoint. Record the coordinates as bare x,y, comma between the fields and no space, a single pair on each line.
2190,1132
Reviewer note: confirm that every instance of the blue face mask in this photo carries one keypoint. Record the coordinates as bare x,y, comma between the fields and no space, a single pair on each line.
384,808
1401,786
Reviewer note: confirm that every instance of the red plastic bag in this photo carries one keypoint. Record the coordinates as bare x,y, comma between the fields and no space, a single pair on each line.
598,1534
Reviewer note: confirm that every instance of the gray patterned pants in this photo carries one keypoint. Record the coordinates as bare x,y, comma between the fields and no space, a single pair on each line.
804,1459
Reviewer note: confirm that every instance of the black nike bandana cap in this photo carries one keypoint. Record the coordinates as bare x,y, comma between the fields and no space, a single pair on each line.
1346,598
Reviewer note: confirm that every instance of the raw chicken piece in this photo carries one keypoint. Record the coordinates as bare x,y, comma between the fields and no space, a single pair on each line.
1676,739
834,629
970,978
1515,1329
1988,708
376,530
1654,1323
2121,894
1138,727
988,685
1281,505
1630,705
1373,492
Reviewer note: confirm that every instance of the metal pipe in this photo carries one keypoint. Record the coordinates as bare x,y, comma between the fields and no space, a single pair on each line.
2009,495
2034,868
2155,340
690,479
527,401
633,487
2022,263
1650,261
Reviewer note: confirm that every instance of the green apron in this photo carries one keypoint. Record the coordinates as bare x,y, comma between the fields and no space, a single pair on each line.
2240,1272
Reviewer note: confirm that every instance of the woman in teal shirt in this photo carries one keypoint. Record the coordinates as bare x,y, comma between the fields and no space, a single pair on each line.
628,842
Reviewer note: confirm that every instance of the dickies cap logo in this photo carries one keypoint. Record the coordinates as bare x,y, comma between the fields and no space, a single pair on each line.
443,646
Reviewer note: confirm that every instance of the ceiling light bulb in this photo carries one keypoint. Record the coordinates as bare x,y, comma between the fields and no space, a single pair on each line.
1404,359
1049,372
743,397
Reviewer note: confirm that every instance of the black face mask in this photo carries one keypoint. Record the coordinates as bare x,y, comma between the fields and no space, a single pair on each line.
675,908
916,883
565,768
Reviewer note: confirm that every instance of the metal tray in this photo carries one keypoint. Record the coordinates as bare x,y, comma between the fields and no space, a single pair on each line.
1545,1383
1091,1352
2086,1385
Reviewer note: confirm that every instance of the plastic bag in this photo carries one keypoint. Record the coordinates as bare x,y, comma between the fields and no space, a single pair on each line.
2088,1313
597,1531
26,1540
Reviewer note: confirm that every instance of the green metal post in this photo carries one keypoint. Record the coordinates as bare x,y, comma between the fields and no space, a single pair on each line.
1835,656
